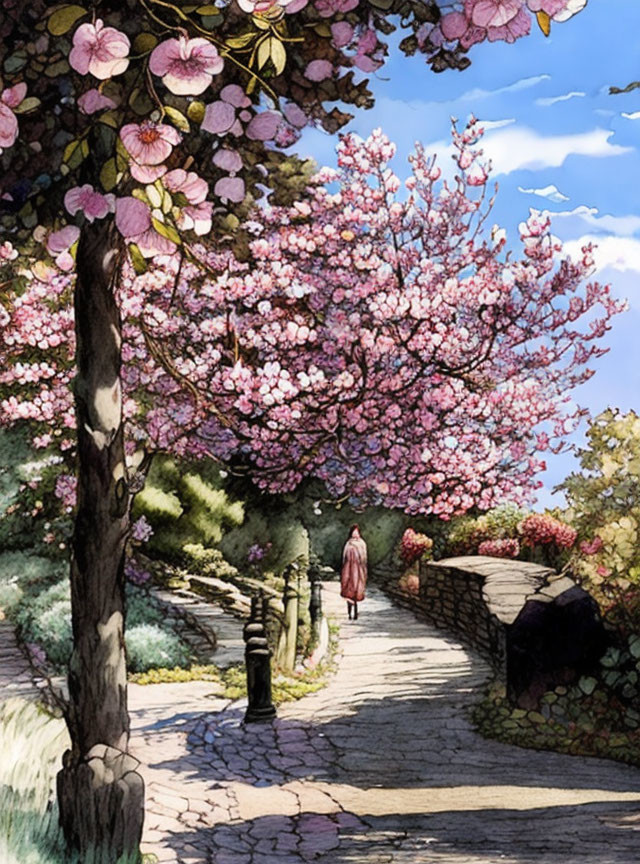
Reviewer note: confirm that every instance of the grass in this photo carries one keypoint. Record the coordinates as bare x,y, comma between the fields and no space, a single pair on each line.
232,681
32,742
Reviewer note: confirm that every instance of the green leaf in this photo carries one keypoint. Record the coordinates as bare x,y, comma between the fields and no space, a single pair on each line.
75,152
264,52
109,119
63,19
167,231
241,41
109,175
28,104
137,259
177,118
57,70
144,42
195,111
208,10
278,55
140,102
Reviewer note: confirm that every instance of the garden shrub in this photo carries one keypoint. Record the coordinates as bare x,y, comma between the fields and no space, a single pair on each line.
149,646
604,506
185,505
414,546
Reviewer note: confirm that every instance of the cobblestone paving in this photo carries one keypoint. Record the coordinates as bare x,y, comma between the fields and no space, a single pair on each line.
380,766
16,677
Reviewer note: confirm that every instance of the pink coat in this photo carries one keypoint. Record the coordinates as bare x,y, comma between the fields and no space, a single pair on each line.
354,569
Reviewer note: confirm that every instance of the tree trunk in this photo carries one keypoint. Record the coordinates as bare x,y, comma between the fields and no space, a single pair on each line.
101,797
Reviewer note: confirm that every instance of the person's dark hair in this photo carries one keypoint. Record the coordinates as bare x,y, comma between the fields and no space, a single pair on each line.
354,527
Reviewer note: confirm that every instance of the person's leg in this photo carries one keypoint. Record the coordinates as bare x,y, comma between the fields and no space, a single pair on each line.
355,611
349,609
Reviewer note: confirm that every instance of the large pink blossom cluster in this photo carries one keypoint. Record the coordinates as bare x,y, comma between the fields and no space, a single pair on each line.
413,545
541,529
501,548
476,20
377,340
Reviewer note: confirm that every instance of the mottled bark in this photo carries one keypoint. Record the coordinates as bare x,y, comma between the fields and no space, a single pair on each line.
97,714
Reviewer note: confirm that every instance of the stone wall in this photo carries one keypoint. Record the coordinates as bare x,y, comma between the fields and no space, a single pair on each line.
537,629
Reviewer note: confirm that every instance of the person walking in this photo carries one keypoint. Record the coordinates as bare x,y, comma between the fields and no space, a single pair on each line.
353,578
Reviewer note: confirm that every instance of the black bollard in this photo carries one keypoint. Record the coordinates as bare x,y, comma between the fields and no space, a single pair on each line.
315,600
258,662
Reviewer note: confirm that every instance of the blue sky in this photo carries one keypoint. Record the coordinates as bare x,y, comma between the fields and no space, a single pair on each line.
562,144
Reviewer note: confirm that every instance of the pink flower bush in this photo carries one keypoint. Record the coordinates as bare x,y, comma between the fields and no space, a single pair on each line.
540,529
10,99
100,51
591,547
93,204
65,490
506,548
186,66
413,546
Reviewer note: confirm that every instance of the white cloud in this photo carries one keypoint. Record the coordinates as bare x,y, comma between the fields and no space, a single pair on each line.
522,84
552,193
487,125
519,149
633,116
552,100
615,253
621,225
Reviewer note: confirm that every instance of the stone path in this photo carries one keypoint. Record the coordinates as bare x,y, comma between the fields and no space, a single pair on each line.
380,766
215,635
16,677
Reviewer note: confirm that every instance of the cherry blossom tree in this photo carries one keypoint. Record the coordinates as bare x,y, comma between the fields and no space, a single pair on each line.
101,129
377,339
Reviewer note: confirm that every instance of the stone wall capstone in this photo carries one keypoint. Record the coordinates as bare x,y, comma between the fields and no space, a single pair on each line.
537,629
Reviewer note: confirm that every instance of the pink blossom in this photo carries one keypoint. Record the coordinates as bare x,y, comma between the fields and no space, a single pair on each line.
8,252
149,143
193,187
506,548
261,7
133,221
264,126
328,8
93,100
58,244
10,99
101,51
558,10
141,530
591,548
493,13
65,490
230,188
186,66
228,160
342,33
93,204
318,70
196,218
133,217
